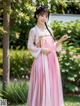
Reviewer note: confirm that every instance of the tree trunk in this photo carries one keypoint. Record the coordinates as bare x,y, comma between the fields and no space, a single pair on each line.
6,23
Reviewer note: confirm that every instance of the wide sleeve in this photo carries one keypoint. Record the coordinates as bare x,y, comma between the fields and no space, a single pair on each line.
35,51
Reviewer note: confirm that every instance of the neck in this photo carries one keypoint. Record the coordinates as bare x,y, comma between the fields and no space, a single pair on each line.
42,26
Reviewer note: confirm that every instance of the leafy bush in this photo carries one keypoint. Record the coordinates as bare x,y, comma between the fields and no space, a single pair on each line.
70,68
20,62
69,57
16,92
71,28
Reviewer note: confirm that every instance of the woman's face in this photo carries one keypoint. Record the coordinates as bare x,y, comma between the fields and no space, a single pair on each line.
42,18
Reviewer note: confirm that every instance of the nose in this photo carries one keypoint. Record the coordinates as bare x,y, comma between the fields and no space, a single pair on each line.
45,17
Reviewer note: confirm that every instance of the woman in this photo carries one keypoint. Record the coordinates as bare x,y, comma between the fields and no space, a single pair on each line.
45,87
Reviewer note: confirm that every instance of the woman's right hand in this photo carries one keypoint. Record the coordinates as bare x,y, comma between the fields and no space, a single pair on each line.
46,51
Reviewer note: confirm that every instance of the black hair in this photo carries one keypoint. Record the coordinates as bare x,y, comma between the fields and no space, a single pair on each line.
40,11
48,29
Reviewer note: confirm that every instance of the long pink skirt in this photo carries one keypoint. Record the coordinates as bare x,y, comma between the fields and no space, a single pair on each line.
45,87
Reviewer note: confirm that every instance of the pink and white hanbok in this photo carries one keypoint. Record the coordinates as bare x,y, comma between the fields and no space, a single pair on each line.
45,86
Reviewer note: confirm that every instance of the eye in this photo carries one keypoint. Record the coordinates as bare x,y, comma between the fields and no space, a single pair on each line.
42,15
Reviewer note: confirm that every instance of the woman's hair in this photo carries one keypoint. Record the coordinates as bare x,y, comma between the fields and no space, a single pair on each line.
40,11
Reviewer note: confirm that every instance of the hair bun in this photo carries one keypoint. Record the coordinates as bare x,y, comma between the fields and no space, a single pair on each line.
41,7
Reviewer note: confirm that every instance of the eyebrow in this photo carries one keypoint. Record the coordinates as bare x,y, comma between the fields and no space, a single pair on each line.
44,13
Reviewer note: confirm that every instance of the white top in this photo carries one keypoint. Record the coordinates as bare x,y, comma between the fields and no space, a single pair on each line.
34,36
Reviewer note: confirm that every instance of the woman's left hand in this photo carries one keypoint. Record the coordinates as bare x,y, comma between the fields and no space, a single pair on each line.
64,37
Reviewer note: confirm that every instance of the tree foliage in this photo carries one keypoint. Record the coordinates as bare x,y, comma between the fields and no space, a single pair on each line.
21,21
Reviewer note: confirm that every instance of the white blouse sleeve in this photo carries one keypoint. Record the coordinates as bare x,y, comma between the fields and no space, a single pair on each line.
35,51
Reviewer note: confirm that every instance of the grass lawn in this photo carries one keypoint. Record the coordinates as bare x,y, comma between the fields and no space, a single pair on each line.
72,101
69,101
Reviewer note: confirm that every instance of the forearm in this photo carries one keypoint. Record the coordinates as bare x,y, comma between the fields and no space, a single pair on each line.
63,38
59,41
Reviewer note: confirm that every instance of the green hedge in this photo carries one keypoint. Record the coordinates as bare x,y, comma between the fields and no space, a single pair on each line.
20,62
